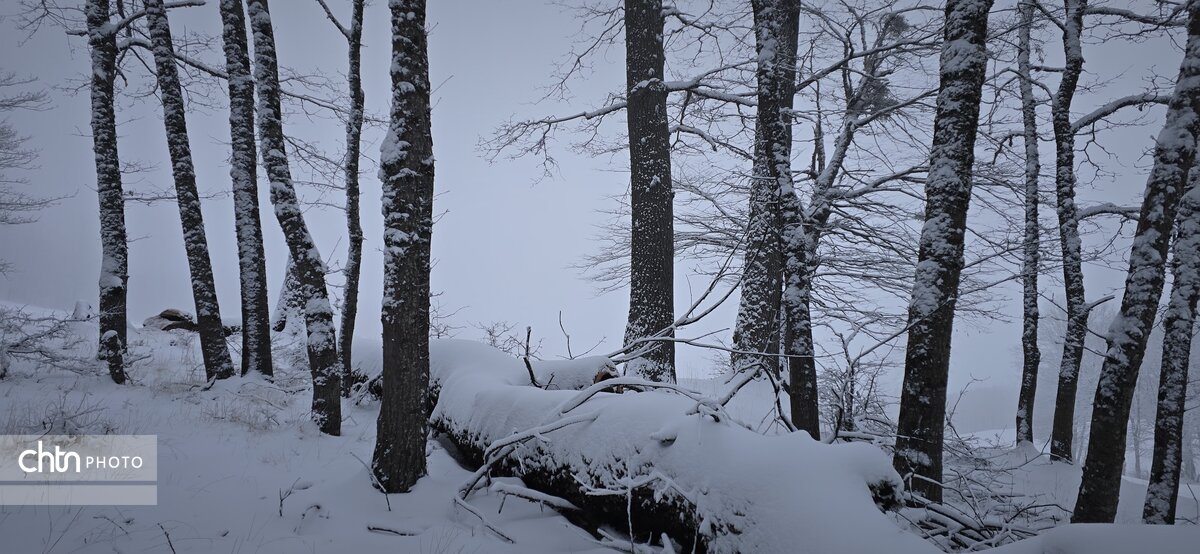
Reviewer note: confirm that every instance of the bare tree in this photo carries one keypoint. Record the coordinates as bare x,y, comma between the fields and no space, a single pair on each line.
309,267
1068,232
252,265
406,169
1174,154
350,164
217,364
1178,323
16,206
114,264
940,261
652,242
1031,244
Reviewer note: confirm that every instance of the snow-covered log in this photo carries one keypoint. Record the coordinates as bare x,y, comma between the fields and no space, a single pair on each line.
660,462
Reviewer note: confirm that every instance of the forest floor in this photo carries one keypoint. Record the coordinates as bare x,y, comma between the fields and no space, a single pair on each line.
243,470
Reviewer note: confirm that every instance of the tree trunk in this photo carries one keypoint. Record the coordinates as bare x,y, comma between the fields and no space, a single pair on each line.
940,260
630,461
652,240
217,364
309,267
1174,153
354,126
114,264
252,262
1031,356
406,170
1068,231
1178,323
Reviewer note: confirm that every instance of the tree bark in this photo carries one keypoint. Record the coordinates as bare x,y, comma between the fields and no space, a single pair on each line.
1031,243
309,267
252,264
1062,434
1178,323
1174,154
406,170
940,259
114,264
354,230
652,240
217,363
776,25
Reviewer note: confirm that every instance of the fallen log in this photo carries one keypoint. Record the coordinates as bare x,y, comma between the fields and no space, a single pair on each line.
663,462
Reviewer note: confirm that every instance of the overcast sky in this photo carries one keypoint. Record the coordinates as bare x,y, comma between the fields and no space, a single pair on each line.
503,248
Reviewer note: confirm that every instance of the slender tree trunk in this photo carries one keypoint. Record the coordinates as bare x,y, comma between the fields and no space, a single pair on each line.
288,304
940,259
1031,356
354,126
1174,154
1178,323
114,264
217,364
406,170
652,241
309,267
1068,231
252,261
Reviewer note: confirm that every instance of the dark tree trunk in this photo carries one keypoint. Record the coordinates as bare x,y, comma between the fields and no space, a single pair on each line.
940,260
252,264
652,240
406,169
1031,356
1174,154
217,364
309,267
114,264
354,126
1062,434
1178,322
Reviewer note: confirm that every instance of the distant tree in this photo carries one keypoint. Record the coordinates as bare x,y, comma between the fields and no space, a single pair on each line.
652,246
16,206
309,267
217,364
406,172
921,423
252,265
1174,155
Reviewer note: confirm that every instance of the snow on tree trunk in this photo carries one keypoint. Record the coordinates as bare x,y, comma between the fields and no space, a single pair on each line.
652,236
217,363
114,263
1062,434
1031,356
1174,154
1178,322
776,25
252,264
659,462
939,264
406,172
309,267
354,126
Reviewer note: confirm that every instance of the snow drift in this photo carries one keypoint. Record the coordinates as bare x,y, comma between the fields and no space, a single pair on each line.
665,462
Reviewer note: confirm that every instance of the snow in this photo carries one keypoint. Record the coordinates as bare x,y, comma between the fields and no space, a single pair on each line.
244,469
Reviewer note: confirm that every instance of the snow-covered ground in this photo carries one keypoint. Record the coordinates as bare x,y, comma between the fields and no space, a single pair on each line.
242,468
